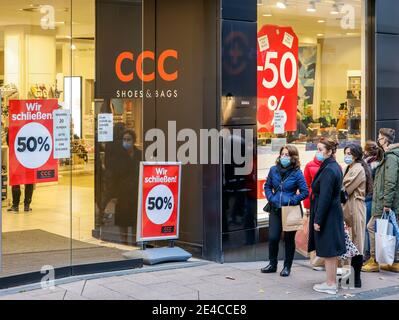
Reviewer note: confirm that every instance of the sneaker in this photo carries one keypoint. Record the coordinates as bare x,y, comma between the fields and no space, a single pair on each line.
371,266
325,288
319,268
13,209
27,209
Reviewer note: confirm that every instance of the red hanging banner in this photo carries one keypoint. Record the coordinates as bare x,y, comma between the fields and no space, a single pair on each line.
31,157
277,77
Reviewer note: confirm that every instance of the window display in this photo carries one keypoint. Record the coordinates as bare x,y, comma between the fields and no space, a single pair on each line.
328,76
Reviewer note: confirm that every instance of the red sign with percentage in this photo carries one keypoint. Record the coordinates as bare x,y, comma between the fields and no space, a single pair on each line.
277,77
159,201
31,141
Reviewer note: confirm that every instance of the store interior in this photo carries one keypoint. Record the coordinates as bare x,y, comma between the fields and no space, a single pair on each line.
330,78
44,55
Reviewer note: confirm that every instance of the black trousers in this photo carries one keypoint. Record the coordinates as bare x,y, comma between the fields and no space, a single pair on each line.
16,195
275,229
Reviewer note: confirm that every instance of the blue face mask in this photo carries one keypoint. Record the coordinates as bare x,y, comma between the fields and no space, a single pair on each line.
320,156
285,161
127,145
348,160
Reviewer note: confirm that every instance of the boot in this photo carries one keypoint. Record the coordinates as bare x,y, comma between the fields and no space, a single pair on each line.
394,267
271,268
371,266
356,264
385,267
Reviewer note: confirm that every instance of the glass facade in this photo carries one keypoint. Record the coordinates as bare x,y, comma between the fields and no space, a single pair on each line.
320,84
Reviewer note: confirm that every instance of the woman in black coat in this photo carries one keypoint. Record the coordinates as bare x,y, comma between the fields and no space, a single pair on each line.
326,226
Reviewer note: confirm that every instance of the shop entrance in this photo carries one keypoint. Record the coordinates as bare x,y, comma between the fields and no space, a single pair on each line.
47,56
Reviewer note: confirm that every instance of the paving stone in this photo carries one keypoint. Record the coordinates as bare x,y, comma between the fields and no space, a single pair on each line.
74,287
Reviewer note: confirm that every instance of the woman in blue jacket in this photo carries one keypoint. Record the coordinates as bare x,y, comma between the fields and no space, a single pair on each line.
285,186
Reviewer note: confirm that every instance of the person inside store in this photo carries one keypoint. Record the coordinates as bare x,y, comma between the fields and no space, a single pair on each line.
326,223
122,185
16,197
385,195
358,184
285,186
310,172
372,156
16,194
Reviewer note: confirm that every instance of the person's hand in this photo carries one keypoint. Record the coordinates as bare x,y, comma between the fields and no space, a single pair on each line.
386,209
316,227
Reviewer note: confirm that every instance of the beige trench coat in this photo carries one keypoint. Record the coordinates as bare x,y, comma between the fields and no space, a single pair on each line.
355,208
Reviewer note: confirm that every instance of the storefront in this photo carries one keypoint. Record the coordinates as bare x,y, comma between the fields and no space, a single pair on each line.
156,80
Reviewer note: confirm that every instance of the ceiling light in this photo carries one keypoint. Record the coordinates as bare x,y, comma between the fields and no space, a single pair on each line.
321,21
73,47
281,4
312,7
334,9
320,34
267,15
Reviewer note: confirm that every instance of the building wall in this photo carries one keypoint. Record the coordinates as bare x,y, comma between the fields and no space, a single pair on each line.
386,65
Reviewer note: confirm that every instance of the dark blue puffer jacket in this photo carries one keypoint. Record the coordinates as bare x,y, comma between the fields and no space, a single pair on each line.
287,193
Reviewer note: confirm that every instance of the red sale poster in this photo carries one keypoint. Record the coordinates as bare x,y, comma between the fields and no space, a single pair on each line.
277,77
31,141
159,201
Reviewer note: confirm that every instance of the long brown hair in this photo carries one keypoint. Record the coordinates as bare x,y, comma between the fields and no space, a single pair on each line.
294,154
371,147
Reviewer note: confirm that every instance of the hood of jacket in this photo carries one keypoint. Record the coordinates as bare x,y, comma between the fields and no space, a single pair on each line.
393,149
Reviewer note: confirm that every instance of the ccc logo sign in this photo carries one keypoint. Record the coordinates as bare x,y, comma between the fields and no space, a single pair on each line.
129,58
45,174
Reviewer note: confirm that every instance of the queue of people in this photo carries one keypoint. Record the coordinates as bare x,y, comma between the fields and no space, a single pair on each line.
340,201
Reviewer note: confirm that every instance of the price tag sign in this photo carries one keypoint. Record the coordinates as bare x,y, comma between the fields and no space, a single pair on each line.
159,201
31,141
105,127
277,78
279,121
62,134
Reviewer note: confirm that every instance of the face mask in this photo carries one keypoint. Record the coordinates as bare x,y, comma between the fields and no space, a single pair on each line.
127,145
320,156
348,160
285,161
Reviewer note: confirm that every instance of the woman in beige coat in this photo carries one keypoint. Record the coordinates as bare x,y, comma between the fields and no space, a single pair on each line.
358,184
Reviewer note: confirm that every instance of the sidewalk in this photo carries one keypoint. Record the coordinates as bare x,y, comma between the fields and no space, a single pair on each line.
230,281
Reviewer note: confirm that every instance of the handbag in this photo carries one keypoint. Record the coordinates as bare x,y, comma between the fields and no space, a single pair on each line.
267,208
302,238
292,218
351,249
344,196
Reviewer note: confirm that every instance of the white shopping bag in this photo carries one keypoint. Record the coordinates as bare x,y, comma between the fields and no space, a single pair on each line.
385,248
382,225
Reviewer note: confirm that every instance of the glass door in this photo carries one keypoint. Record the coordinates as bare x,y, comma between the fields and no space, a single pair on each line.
35,46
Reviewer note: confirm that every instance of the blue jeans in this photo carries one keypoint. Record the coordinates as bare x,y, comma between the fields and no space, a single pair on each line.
368,217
